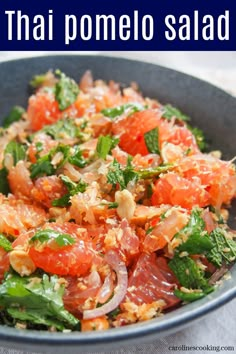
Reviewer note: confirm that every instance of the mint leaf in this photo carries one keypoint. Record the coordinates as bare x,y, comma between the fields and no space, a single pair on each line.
14,116
37,300
224,249
118,111
5,243
197,239
17,151
48,234
105,144
4,186
66,91
188,273
62,129
121,176
169,112
152,141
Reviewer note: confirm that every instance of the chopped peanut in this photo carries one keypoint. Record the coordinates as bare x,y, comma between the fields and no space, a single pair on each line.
96,324
21,262
126,204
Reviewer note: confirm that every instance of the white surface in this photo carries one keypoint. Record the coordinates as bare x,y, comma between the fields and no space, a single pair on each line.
218,328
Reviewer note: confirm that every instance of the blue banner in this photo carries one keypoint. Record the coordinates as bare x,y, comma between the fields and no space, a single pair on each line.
118,25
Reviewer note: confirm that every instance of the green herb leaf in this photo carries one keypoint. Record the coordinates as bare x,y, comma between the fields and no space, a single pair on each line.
66,91
14,116
4,185
38,80
73,189
64,240
224,249
188,273
77,158
116,175
113,205
62,202
200,138
48,234
152,141
5,243
105,144
17,151
118,111
169,112
68,183
43,166
63,129
149,230
148,173
197,239
189,297
114,313
36,300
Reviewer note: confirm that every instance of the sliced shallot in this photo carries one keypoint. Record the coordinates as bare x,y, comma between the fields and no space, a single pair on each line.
119,267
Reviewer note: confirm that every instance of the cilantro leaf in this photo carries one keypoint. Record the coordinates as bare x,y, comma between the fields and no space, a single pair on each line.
197,239
199,136
14,116
17,151
66,91
224,249
118,111
77,158
36,300
5,243
4,185
169,112
43,166
73,189
105,144
189,297
49,234
62,201
63,128
188,273
117,175
152,141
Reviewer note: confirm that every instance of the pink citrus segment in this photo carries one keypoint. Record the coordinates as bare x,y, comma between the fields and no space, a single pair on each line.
218,177
19,180
28,216
148,283
176,190
46,189
42,109
75,259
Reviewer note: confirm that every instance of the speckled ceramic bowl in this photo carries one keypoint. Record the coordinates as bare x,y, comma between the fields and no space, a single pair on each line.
211,109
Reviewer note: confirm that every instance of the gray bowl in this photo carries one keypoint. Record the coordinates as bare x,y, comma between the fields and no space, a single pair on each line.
211,109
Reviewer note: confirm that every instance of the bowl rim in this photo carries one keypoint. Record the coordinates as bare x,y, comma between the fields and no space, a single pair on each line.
129,332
